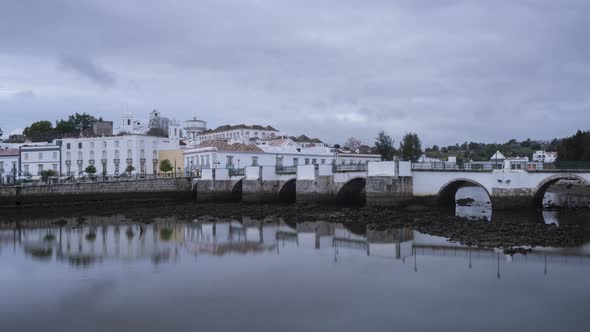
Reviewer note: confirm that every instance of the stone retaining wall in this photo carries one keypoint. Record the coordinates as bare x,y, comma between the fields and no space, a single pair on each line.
76,193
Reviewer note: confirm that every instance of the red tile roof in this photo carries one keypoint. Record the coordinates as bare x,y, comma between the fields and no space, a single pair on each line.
9,152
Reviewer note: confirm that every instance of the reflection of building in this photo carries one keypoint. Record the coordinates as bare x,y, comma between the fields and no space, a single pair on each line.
97,239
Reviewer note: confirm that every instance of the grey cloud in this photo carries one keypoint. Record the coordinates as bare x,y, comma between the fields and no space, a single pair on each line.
87,68
450,70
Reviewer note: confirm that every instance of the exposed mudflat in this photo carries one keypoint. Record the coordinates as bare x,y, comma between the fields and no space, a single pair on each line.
506,231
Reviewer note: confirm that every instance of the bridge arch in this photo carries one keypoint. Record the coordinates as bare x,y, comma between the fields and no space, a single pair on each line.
288,191
447,193
236,191
541,188
353,191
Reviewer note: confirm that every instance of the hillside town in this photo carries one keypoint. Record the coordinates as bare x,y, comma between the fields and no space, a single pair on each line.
138,147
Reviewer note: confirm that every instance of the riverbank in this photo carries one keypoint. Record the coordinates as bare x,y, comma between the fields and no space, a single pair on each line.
506,230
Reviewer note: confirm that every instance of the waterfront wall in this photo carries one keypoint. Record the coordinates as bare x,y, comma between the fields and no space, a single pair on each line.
79,193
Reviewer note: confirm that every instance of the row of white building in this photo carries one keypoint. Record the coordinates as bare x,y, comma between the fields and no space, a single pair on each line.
189,148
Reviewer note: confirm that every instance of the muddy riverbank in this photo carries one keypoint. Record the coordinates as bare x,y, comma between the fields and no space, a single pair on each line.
506,231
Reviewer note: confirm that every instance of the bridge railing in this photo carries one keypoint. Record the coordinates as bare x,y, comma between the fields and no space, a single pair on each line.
279,169
577,165
457,166
349,168
236,171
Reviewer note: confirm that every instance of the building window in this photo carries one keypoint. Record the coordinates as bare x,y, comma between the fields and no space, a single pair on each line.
142,154
54,167
40,169
129,143
80,155
79,145
68,146
254,161
40,155
104,154
129,154
141,143
295,161
230,162
306,161
92,145
68,155
26,156
27,170
154,154
117,144
322,161
116,154
54,155
314,161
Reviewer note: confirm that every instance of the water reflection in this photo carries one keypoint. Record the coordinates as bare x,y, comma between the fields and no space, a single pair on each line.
102,239
474,203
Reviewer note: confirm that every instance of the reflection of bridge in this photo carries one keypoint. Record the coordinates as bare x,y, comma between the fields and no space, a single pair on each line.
165,241
381,184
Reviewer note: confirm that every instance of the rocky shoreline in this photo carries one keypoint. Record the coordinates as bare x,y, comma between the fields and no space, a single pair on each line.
508,231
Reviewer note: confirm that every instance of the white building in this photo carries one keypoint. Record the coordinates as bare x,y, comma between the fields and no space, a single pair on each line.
129,125
9,164
112,155
282,152
241,133
34,159
545,157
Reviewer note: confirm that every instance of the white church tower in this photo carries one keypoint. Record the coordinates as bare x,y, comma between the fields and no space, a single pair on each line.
126,123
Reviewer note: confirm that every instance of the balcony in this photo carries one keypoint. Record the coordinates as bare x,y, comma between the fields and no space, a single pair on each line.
129,160
79,162
117,161
91,162
68,162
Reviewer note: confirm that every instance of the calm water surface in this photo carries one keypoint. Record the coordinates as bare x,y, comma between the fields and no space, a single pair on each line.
221,275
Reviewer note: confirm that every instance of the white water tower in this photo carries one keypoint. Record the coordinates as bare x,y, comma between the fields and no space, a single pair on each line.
194,127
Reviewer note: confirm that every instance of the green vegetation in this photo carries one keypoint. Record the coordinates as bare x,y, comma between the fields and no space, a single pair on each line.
157,132
48,173
575,148
129,169
166,166
410,147
384,146
90,169
483,151
43,131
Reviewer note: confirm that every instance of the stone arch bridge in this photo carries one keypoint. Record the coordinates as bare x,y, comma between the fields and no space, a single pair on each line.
387,184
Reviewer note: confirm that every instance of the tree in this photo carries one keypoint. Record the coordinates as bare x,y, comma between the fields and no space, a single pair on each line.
157,132
384,146
129,169
575,148
39,131
75,124
90,169
166,166
411,147
47,174
353,143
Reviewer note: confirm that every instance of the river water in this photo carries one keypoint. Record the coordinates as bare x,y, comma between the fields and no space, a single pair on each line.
107,274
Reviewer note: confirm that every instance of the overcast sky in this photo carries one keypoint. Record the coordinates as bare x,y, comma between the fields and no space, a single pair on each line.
449,70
